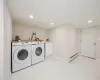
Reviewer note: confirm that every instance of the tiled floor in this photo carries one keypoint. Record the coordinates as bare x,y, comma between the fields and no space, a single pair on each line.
55,69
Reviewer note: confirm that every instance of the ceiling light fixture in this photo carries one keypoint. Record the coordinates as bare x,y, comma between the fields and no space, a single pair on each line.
31,16
52,23
90,21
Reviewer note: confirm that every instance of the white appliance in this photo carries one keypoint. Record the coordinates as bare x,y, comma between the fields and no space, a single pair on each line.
21,55
37,52
48,49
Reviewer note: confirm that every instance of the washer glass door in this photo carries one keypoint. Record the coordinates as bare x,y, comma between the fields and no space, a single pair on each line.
38,51
22,54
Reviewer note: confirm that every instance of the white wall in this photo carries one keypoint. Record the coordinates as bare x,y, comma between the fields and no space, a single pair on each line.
1,38
97,38
25,31
64,41
7,44
98,42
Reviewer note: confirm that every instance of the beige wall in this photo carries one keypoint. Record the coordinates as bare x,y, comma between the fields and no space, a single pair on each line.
7,44
97,38
65,42
25,31
1,39
98,42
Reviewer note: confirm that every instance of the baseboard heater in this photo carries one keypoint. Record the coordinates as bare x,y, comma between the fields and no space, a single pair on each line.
73,57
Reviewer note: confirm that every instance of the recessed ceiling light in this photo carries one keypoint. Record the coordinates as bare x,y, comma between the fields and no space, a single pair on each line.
90,21
52,23
31,16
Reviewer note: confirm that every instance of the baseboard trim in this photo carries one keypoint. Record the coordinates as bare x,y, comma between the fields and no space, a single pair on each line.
89,57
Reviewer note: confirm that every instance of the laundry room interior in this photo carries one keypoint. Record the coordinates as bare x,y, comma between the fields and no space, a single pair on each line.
50,40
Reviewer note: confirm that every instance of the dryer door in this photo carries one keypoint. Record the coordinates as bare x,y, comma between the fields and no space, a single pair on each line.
38,53
22,54
39,50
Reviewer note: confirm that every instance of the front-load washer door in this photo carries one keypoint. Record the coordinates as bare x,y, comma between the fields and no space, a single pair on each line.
22,54
37,53
39,50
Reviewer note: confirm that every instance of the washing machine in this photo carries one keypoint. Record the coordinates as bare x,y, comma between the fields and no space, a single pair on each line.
38,52
21,55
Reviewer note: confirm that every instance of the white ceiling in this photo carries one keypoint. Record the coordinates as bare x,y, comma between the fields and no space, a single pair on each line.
60,12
